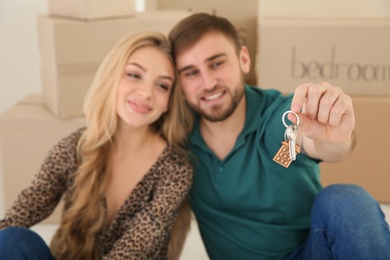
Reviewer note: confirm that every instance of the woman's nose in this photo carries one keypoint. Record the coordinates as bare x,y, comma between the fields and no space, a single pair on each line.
145,91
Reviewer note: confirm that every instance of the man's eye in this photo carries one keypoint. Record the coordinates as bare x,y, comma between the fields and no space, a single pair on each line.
216,64
191,73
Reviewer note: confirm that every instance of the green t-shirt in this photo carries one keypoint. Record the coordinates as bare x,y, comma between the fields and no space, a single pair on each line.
247,205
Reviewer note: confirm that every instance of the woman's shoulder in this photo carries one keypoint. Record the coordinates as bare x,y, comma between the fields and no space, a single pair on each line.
71,140
177,158
73,137
68,144
176,154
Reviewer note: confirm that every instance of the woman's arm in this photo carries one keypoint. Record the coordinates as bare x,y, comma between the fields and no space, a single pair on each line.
38,201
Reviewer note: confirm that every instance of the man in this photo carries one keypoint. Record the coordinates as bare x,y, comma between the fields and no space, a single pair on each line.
247,205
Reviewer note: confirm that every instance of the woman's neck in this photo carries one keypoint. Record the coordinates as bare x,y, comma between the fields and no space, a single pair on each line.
135,140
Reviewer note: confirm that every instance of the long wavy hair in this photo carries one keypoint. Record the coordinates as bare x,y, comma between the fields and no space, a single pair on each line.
84,217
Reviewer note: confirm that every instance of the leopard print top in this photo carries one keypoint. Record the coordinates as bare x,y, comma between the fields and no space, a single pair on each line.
141,228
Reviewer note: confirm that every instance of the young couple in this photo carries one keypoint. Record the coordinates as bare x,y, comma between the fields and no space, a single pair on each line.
125,177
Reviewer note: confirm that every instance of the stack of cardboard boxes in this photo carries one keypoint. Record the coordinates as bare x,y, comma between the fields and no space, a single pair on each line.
74,38
316,41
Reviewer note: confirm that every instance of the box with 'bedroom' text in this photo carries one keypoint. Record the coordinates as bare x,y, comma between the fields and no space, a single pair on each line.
350,53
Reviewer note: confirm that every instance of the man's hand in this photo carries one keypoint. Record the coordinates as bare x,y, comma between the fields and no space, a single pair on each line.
327,120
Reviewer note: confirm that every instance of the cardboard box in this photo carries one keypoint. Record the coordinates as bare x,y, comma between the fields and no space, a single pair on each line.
328,9
72,50
349,53
64,89
243,16
91,9
150,5
369,165
27,132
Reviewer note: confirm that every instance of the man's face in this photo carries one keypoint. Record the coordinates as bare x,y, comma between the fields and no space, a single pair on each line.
211,74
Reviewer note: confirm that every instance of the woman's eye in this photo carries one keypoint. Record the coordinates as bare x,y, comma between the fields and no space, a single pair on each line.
134,75
163,86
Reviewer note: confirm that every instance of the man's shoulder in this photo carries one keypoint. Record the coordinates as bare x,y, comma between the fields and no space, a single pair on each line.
266,93
265,98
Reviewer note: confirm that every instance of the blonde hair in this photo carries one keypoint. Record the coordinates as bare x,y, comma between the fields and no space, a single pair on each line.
85,214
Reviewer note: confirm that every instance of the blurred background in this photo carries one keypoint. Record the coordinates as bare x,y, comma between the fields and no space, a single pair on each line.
47,63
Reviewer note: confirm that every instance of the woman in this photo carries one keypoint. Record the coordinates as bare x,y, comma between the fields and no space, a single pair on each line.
124,176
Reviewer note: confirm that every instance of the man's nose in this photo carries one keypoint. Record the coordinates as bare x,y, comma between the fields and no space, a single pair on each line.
209,80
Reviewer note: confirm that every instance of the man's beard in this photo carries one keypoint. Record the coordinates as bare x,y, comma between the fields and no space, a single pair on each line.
217,114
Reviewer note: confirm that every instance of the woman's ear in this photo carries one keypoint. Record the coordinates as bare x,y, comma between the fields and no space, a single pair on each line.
245,60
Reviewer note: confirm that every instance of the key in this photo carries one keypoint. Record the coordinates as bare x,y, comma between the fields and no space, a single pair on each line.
289,149
291,135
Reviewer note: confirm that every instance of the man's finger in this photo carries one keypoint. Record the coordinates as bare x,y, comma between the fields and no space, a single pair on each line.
299,97
304,121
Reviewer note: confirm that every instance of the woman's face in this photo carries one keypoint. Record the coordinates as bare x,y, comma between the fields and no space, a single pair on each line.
143,93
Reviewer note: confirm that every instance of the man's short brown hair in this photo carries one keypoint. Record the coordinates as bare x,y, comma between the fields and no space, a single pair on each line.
189,30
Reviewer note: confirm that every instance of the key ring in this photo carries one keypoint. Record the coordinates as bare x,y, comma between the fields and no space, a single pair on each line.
288,112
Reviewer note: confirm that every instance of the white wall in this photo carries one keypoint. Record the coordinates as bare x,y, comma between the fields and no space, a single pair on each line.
19,52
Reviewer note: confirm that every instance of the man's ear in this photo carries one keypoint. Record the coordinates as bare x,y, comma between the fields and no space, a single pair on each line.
245,60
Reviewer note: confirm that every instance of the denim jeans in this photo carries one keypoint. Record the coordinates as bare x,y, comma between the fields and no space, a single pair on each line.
346,223
18,243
